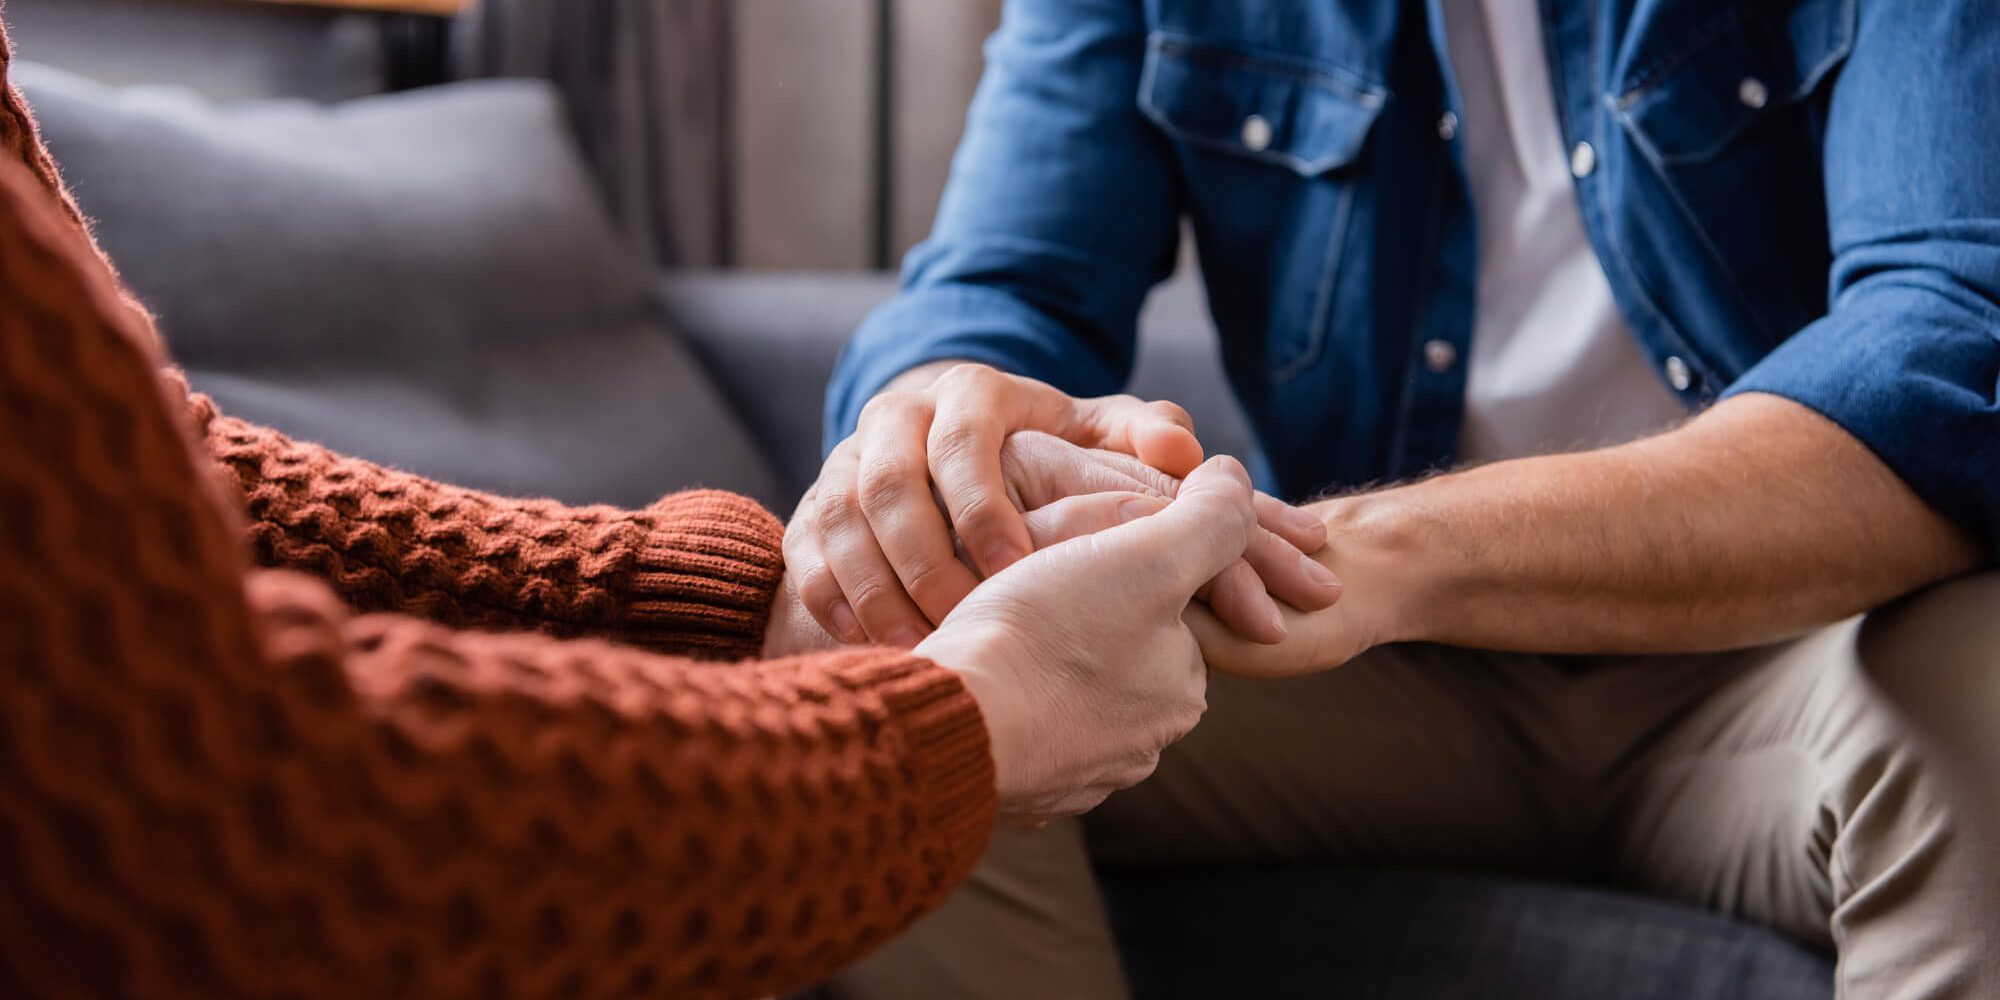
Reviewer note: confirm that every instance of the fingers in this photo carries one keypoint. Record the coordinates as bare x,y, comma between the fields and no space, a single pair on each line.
1051,468
1301,527
1240,600
1205,528
867,586
1160,434
977,409
1289,574
894,489
1041,469
1075,517
805,565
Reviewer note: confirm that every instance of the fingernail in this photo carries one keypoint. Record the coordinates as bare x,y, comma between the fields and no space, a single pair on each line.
1276,619
1001,556
1138,507
905,638
846,627
1318,573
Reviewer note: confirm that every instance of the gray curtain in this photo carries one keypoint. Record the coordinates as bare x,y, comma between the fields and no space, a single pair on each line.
646,85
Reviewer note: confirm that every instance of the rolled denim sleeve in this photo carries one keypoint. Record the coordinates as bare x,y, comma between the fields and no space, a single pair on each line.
1908,357
1061,214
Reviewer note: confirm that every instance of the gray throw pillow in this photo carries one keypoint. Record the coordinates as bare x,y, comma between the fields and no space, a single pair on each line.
424,279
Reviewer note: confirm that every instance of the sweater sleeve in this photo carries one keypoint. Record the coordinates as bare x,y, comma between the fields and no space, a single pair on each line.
694,574
603,816
220,783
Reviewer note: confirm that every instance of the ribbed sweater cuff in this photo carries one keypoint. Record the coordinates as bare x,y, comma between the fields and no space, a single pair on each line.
706,576
951,757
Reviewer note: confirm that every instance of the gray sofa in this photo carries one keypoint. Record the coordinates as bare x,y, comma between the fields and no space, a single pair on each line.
426,279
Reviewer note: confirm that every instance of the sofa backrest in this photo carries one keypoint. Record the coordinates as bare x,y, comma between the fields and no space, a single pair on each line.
426,279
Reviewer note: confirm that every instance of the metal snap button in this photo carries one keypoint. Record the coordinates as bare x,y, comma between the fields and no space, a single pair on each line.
1440,355
1678,374
1582,160
1753,93
1256,133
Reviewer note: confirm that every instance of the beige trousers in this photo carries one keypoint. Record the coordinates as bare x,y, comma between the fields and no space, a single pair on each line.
1775,785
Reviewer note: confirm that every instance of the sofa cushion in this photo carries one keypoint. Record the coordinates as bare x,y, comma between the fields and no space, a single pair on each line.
425,279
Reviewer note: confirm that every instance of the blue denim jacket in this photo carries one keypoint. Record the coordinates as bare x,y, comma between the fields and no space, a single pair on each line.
1799,197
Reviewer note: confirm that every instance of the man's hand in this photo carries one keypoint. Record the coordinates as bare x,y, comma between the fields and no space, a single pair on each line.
874,556
1077,654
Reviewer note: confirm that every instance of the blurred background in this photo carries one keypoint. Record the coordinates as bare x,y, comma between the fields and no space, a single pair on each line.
596,250
793,134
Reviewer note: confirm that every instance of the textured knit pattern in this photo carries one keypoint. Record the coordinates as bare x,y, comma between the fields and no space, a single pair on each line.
219,781
388,540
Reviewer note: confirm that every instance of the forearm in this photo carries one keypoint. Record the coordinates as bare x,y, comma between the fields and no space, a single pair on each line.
608,784
693,574
1755,521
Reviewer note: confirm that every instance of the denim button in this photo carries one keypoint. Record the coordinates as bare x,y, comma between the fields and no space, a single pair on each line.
1448,126
1753,93
1256,133
1440,355
1582,160
1678,374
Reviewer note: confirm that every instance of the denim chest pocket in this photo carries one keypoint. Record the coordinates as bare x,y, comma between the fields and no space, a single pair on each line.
1268,144
1750,64
1731,113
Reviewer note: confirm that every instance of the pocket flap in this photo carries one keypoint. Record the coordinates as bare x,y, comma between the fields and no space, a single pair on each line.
1751,63
1303,114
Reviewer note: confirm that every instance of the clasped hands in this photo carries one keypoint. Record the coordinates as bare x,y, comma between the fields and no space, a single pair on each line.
1074,560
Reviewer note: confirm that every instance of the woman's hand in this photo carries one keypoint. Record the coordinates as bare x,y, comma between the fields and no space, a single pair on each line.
1041,469
1078,655
915,506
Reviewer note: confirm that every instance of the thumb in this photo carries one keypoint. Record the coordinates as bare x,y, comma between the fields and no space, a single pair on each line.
1204,529
1088,514
1160,433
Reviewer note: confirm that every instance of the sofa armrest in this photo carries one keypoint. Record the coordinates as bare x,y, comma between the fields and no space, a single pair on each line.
770,340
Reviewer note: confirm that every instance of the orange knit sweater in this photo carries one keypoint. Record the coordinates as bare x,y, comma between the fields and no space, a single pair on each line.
217,780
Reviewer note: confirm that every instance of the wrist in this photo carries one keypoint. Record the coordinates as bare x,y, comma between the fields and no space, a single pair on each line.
1383,548
791,630
998,696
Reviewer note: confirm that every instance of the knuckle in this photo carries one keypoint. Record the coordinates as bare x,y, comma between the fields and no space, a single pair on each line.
976,512
815,584
965,376
1171,411
1138,771
875,600
929,581
884,483
886,403
1190,712
838,507
954,435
